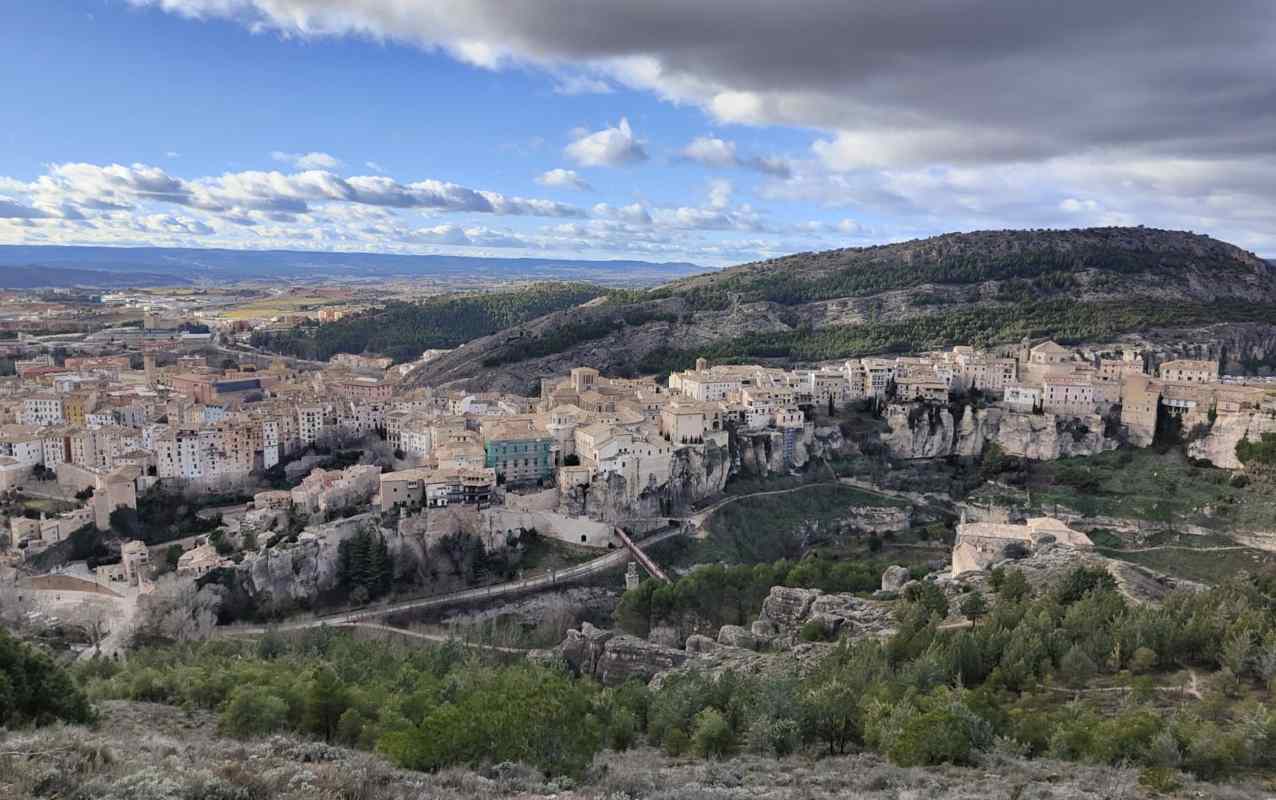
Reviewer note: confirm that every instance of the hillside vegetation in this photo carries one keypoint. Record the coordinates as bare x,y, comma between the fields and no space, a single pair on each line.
980,288
403,330
1038,672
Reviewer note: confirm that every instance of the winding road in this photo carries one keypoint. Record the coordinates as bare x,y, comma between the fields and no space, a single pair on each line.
612,560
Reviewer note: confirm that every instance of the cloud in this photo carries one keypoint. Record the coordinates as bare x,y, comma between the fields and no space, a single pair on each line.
10,209
576,84
563,178
119,187
714,152
375,167
308,160
609,147
891,88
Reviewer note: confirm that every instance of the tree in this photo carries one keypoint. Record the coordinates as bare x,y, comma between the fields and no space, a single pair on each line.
973,606
325,700
1076,668
712,737
35,690
1014,586
254,711
928,596
830,713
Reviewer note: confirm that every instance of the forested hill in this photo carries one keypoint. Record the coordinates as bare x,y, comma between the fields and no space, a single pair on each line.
1040,260
981,288
403,330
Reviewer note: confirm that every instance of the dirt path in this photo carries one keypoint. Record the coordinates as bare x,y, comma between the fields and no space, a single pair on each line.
435,637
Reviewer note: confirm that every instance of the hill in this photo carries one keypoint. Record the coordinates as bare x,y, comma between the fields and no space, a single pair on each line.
404,330
983,287
15,277
169,265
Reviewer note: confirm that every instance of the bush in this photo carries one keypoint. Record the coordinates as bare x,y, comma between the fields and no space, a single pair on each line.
712,737
813,631
622,731
1014,586
34,690
1160,780
950,734
1076,668
1143,660
253,711
675,742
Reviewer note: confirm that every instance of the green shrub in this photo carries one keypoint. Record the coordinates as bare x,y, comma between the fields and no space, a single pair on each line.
675,742
712,737
253,711
949,734
813,631
1143,660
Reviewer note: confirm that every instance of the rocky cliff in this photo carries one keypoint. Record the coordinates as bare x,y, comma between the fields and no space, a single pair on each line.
1217,441
613,657
920,430
696,473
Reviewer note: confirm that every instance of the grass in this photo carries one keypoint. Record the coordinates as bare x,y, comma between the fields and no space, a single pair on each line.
1161,488
544,553
767,528
1205,567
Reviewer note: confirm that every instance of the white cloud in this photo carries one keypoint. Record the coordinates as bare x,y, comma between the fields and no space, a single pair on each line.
308,160
721,153
375,167
609,147
720,193
711,151
576,84
563,178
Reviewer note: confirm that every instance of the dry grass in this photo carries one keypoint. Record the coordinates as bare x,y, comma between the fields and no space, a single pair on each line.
148,752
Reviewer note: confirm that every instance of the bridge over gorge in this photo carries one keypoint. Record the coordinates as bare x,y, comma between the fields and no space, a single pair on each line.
644,560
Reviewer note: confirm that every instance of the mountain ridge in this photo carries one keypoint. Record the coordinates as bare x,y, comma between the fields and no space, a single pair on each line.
981,287
222,265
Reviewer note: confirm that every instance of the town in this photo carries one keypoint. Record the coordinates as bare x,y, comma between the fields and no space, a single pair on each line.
129,416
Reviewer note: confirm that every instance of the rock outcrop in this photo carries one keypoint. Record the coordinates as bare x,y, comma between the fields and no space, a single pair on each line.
613,658
920,430
786,610
695,473
1218,443
894,577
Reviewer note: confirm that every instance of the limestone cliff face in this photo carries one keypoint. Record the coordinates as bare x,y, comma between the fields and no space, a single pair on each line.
696,473
926,431
761,454
1045,437
293,575
919,431
1218,444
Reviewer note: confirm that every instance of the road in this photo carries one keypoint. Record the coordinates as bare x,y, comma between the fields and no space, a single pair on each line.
612,560
247,351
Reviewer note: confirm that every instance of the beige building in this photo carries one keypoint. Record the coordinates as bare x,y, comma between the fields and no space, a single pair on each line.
1188,371
1069,395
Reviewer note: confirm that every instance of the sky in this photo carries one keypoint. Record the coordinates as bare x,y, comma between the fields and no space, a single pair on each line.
712,131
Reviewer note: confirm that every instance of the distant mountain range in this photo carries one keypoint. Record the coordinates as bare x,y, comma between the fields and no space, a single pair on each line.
32,266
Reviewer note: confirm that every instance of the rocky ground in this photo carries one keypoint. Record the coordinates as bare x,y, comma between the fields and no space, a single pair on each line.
147,752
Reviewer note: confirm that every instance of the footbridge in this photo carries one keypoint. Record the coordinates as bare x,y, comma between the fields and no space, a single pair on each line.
653,569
